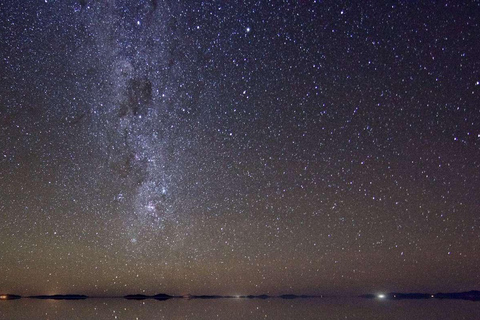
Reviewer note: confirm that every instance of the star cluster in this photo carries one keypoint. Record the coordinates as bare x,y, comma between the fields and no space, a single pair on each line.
270,147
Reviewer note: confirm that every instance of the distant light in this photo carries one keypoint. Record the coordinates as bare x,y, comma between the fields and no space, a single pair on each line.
248,29
3,297
381,296
432,296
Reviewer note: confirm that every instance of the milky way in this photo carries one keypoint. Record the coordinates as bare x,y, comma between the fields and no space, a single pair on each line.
194,147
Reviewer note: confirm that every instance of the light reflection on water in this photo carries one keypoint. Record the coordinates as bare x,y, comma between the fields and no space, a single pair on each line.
326,308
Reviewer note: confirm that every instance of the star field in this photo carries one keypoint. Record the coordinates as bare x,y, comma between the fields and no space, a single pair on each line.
215,148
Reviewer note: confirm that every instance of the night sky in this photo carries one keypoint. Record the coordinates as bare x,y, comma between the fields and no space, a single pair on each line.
309,147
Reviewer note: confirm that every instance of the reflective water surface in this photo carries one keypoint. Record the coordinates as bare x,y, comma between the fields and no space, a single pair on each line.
326,308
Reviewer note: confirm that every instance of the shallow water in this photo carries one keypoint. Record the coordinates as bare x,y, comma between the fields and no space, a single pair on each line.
326,308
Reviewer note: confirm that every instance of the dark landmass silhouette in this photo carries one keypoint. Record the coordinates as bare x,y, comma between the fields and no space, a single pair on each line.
163,296
160,296
210,297
60,297
262,296
137,297
472,295
7,296
294,296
